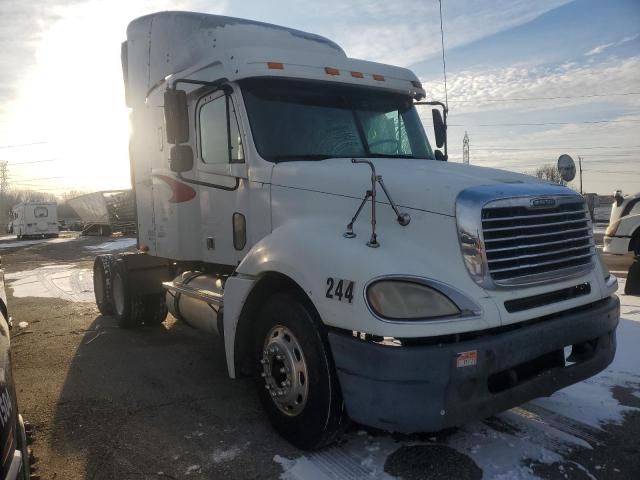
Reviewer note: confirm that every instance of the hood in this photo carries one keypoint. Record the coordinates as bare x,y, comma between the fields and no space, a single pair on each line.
428,185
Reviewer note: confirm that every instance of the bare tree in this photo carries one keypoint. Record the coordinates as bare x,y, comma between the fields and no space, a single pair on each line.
551,173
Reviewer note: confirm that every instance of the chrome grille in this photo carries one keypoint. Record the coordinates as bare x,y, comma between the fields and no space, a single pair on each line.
524,243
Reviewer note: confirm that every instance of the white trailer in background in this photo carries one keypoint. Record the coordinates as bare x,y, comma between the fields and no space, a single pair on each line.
254,150
35,219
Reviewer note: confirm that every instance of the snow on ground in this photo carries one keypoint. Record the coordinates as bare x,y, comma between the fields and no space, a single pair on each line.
6,242
64,281
113,245
543,430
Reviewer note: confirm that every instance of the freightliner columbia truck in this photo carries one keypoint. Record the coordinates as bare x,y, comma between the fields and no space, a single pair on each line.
289,200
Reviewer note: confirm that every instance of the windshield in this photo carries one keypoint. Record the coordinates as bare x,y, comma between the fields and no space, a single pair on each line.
298,120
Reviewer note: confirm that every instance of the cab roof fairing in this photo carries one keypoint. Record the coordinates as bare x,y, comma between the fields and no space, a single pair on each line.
171,45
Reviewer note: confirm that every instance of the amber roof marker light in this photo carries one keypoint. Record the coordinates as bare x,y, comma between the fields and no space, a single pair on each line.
275,65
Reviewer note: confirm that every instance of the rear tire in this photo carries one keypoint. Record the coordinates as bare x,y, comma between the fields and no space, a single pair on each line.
128,309
296,379
103,283
155,309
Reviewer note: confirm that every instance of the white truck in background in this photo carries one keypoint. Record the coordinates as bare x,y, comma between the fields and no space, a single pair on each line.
622,236
288,199
35,219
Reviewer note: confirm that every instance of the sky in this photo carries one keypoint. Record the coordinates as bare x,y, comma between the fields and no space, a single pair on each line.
527,80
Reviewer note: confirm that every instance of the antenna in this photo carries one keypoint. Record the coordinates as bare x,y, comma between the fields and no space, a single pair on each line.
444,63
465,149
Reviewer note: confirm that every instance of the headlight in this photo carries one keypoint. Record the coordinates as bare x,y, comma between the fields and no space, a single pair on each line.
404,300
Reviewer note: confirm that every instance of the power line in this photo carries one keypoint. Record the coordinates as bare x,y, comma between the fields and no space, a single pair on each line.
527,99
18,145
561,148
592,122
33,161
27,180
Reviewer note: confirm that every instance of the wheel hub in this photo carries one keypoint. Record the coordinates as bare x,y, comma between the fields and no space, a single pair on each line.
284,370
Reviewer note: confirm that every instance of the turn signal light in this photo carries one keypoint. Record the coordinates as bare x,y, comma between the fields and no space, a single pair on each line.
331,71
275,65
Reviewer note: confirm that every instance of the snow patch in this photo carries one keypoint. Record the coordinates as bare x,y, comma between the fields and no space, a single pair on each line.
23,324
64,281
113,245
220,455
28,243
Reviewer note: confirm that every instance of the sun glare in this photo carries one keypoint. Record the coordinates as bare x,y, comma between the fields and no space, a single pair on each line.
73,101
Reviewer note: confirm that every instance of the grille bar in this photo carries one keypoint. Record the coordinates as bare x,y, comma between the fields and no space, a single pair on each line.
536,245
548,234
540,264
540,225
523,217
544,254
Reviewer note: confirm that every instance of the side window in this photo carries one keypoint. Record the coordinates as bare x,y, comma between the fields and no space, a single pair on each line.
220,140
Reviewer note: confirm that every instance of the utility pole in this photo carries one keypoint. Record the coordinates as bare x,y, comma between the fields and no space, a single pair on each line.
465,149
580,167
3,190
3,177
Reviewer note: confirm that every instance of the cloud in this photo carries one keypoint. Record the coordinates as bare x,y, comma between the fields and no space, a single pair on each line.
603,47
501,89
405,32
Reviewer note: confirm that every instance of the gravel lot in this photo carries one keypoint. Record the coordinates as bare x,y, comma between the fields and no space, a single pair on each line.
156,402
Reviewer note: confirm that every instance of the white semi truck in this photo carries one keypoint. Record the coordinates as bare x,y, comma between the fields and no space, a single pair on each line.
35,219
288,199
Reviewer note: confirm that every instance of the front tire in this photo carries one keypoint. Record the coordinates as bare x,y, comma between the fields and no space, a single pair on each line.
296,379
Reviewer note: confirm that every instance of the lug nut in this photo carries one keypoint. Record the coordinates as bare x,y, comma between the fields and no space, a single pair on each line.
263,374
273,394
267,386
283,370
262,361
279,357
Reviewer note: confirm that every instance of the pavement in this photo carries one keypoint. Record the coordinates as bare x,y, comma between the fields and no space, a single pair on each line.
156,402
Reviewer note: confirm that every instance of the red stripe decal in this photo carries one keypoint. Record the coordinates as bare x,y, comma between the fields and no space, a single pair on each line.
180,192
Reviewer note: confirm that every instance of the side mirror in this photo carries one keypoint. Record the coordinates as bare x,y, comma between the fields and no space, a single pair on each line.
176,116
618,197
439,127
181,158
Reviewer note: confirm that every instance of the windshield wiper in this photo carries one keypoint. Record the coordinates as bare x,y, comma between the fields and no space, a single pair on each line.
302,156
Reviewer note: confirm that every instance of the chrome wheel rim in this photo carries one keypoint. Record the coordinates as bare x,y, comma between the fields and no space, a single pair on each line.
118,294
284,370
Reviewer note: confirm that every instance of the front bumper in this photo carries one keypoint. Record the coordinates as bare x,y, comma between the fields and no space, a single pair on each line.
421,388
616,245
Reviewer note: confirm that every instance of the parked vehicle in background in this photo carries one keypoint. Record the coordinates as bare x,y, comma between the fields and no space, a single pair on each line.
35,219
14,455
265,164
622,236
